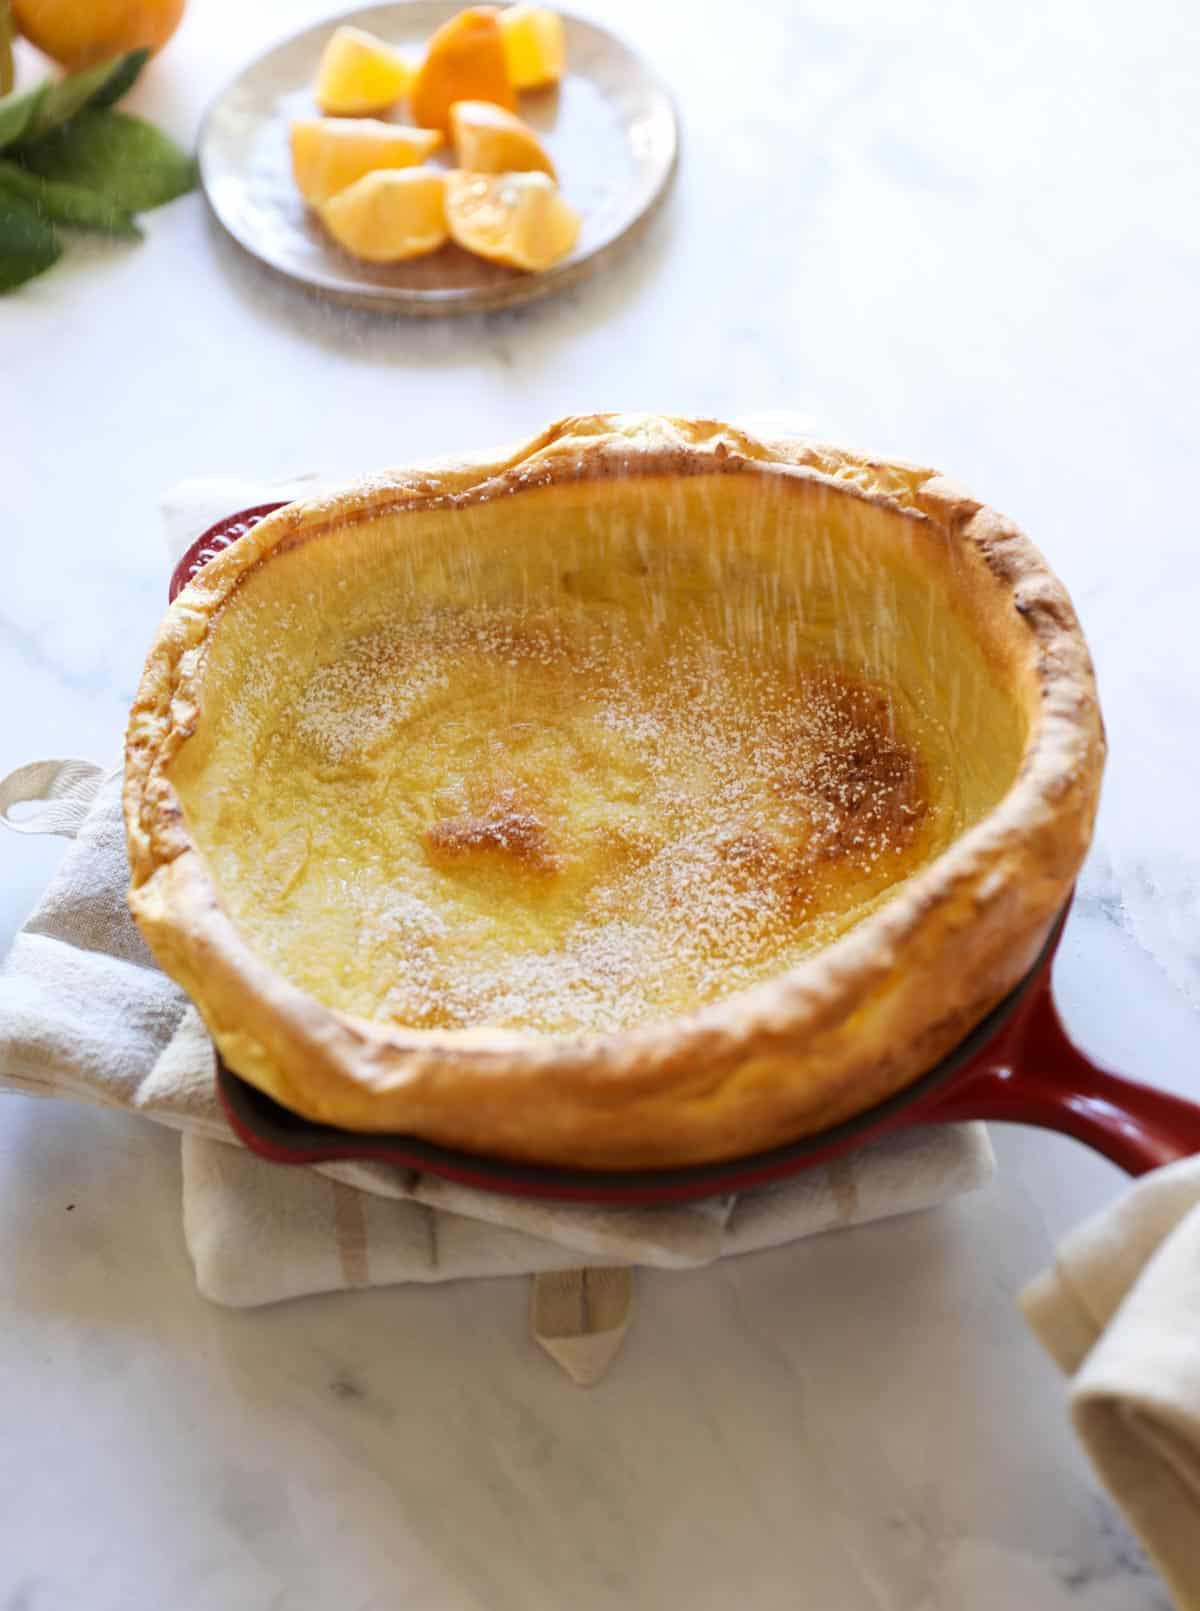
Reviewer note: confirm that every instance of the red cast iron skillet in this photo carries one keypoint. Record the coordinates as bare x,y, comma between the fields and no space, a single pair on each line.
1018,1066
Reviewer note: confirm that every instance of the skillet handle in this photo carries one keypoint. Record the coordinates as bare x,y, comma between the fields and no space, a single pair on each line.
1039,1076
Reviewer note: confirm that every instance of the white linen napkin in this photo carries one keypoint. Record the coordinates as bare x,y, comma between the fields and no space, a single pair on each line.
1119,1312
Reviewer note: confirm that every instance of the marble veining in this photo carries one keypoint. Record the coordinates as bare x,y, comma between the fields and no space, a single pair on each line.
964,235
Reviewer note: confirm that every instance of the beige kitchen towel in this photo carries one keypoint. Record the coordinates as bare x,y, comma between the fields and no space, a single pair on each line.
1120,1314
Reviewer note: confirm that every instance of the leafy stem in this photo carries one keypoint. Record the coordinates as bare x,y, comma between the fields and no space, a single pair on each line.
68,158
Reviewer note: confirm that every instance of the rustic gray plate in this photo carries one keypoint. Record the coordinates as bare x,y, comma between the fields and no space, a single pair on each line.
610,128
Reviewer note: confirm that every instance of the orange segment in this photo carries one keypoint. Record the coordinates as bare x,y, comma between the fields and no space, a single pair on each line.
391,215
535,45
464,62
519,219
359,74
487,139
330,153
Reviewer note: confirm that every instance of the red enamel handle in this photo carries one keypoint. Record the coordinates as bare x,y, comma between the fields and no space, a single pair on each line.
1036,1074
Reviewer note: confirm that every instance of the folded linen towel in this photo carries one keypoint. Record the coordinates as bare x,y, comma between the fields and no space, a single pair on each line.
1119,1312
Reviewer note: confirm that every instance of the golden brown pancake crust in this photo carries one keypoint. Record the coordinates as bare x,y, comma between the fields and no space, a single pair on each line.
509,866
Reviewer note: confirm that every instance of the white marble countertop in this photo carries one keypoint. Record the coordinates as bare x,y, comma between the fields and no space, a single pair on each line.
967,234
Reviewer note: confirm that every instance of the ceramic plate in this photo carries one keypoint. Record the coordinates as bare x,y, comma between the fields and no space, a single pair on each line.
609,126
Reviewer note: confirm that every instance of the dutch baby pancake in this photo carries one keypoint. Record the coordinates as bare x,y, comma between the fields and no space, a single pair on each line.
647,795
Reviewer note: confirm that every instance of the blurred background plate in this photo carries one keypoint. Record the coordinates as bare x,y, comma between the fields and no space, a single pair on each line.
610,127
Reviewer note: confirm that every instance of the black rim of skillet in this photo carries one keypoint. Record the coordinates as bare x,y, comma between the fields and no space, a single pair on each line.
266,1119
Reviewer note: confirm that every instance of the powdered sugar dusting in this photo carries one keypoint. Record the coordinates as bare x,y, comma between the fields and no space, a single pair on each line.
568,814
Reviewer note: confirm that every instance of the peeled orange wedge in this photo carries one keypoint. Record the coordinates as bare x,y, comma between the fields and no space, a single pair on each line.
519,219
535,45
330,153
360,74
488,139
464,61
390,215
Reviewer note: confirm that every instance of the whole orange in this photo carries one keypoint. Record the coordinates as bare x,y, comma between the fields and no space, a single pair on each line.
76,33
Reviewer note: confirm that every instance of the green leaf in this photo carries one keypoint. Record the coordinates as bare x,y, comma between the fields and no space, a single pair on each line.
28,244
95,86
36,112
8,32
67,204
17,112
130,162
